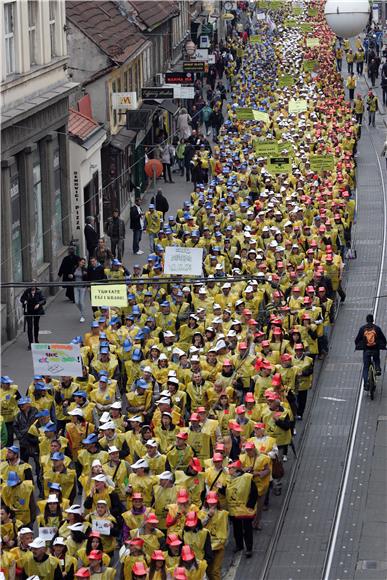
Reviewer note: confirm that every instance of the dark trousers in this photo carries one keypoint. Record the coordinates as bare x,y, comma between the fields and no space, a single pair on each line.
301,402
136,240
359,118
33,323
167,170
27,451
243,532
339,63
9,426
369,355
350,67
117,245
188,172
359,68
351,94
70,293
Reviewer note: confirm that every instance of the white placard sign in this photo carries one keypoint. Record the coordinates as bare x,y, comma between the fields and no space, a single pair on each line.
101,526
47,533
185,261
57,360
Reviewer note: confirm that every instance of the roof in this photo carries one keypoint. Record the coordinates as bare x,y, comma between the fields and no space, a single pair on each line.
80,125
151,17
105,25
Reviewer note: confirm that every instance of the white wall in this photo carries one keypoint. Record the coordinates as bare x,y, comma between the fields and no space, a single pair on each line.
81,172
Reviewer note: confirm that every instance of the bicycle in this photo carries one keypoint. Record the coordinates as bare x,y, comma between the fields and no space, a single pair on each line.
371,379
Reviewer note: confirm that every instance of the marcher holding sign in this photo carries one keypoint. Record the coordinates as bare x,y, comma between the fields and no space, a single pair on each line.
184,261
109,295
56,360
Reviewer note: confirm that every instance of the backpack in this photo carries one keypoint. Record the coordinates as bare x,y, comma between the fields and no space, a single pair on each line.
370,337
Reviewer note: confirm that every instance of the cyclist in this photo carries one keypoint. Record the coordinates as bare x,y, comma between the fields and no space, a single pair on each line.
371,340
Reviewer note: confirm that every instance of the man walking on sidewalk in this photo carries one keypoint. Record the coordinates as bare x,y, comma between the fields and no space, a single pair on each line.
115,229
137,223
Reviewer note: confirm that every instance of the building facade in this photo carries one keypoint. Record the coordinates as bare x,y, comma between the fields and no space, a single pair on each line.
35,91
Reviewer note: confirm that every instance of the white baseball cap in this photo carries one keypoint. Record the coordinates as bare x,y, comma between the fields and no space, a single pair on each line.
166,475
113,449
74,509
59,541
78,527
141,463
37,543
76,413
52,498
25,531
108,425
151,442
96,463
116,405
99,477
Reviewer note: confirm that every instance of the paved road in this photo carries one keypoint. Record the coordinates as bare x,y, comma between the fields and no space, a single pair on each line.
361,548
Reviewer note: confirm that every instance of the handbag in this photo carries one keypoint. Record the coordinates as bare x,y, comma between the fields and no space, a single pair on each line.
277,470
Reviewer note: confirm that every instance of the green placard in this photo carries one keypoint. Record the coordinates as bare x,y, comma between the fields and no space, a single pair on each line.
255,39
322,162
297,10
312,12
270,4
286,146
306,27
312,42
297,105
286,81
279,165
261,116
291,23
310,65
266,148
244,114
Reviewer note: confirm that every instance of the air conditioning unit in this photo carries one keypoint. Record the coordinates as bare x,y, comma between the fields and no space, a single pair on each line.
159,80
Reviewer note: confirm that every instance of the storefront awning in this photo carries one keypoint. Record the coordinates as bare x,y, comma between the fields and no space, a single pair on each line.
166,104
122,139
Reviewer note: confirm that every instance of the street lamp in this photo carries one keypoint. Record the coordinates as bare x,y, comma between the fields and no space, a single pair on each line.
347,18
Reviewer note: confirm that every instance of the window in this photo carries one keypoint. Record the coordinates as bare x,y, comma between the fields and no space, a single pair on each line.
130,80
9,36
15,228
38,213
32,19
58,230
52,21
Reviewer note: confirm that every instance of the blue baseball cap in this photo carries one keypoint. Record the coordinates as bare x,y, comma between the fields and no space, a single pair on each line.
165,304
49,428
142,384
103,373
80,394
40,386
38,377
140,335
57,456
116,262
102,335
115,320
103,379
136,309
131,297
77,340
14,449
12,479
104,350
94,324
92,438
42,413
6,380
24,400
101,319
104,344
151,206
54,485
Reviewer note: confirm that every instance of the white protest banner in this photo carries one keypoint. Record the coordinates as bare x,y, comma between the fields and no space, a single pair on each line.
47,533
57,360
101,526
185,261
109,295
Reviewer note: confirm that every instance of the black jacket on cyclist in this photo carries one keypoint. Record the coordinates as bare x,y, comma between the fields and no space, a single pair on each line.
361,340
